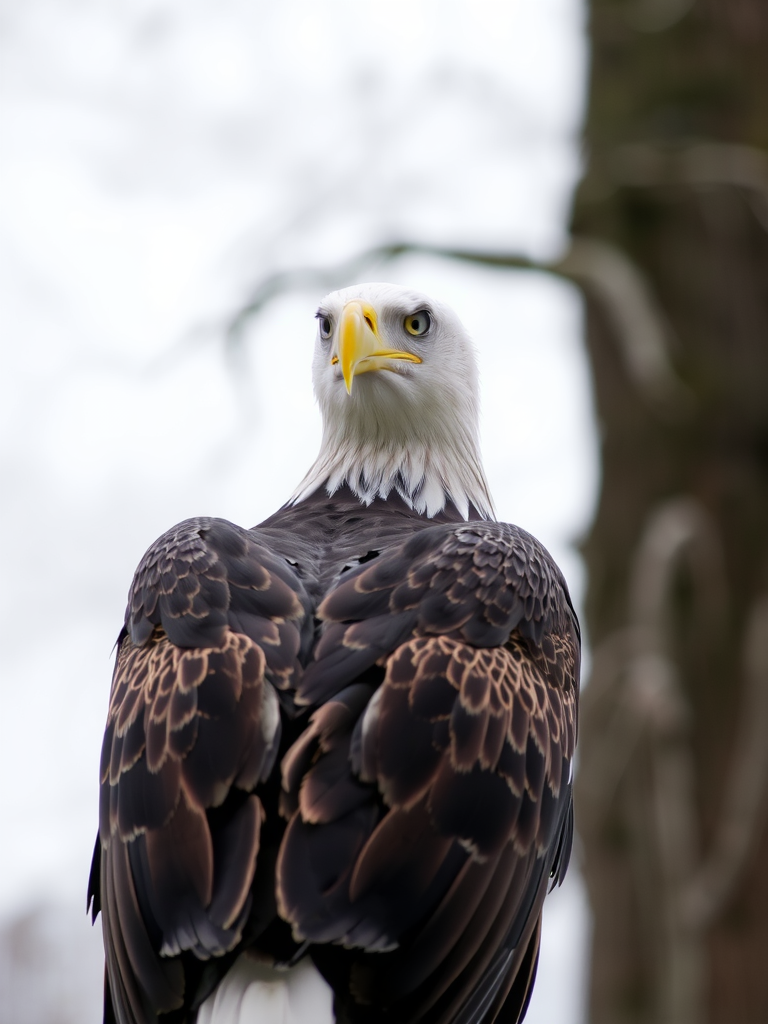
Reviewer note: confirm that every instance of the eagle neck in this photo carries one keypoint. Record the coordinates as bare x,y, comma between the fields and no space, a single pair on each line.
427,477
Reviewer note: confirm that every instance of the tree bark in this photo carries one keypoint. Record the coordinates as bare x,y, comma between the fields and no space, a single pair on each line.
671,794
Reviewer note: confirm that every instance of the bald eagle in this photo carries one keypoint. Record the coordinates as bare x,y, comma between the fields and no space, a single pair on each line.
336,774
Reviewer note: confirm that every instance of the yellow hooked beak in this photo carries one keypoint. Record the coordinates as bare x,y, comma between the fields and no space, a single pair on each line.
360,348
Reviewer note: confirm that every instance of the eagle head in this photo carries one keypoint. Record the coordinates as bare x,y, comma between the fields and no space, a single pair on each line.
395,375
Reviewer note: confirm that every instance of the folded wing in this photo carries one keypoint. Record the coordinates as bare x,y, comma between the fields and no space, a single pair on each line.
208,656
429,801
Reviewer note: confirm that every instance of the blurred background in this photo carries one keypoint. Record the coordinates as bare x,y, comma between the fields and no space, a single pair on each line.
183,183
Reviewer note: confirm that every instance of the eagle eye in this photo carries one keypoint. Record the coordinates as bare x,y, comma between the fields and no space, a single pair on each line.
418,323
325,325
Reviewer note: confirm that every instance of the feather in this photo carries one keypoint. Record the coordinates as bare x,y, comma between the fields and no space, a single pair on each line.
253,991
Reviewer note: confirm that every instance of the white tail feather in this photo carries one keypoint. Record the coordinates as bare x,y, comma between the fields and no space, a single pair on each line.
254,993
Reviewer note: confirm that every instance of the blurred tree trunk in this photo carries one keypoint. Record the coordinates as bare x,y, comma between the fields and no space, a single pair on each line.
675,723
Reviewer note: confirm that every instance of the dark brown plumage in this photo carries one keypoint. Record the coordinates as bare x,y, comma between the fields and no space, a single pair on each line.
346,734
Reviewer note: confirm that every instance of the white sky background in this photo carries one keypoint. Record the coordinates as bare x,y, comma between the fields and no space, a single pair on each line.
158,159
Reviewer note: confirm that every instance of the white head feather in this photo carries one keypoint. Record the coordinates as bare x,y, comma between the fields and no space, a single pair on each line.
412,430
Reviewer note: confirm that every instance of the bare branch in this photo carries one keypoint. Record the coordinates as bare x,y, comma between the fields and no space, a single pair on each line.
640,327
341,274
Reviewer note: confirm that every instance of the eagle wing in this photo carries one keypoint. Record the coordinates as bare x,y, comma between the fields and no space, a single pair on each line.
429,800
210,649
426,803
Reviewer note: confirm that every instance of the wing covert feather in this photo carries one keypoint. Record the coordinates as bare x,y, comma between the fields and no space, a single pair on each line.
214,629
442,785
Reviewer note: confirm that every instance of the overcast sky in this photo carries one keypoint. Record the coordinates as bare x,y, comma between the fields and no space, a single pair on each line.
160,159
